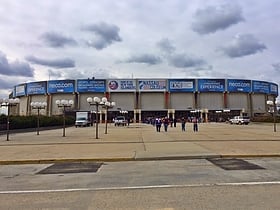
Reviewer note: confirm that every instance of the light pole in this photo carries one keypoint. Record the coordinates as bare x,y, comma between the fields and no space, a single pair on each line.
273,108
64,104
107,105
96,101
9,103
38,106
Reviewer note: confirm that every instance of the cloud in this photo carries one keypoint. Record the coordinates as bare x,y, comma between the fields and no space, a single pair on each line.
185,61
6,84
243,45
56,63
56,40
54,74
212,19
15,68
105,35
144,58
166,46
276,66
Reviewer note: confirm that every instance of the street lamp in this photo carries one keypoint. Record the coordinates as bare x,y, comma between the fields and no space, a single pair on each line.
107,105
95,101
273,108
38,106
9,103
64,104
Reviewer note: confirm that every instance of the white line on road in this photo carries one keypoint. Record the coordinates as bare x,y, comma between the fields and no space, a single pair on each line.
140,187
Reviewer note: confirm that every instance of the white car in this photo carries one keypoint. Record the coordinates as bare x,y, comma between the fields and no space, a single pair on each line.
241,120
120,120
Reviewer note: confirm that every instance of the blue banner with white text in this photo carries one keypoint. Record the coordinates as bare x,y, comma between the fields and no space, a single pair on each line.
61,86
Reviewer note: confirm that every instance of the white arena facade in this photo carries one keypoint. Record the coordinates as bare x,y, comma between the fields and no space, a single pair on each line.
210,99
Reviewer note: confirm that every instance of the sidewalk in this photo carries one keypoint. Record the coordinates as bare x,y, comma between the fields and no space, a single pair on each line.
141,142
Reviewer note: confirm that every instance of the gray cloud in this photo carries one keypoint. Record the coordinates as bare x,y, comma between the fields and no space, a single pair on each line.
144,58
185,61
15,68
56,63
6,84
56,40
105,35
243,45
276,66
212,19
166,46
54,74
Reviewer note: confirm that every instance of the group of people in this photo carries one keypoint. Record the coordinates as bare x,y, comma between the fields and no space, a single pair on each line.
165,121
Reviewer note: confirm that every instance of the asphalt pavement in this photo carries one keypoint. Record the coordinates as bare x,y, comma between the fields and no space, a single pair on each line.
140,142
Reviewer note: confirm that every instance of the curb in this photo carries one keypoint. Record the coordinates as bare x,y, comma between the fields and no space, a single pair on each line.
124,159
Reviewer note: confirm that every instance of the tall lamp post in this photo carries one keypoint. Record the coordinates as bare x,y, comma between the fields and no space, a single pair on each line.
63,103
273,108
95,101
38,106
107,105
9,103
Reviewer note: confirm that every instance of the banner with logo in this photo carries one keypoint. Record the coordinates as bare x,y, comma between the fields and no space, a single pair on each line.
90,85
117,85
152,85
273,89
20,90
33,88
181,85
260,87
61,86
237,85
211,85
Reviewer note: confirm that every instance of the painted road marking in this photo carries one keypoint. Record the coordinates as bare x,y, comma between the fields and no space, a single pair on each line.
140,187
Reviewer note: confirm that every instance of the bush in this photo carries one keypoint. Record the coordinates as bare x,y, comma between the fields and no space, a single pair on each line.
21,122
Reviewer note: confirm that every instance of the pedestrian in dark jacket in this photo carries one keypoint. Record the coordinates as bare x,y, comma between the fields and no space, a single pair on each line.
183,122
195,124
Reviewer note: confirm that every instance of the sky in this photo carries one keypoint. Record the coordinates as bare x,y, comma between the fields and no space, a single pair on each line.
78,39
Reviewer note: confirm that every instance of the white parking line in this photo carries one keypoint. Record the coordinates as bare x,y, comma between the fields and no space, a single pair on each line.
141,187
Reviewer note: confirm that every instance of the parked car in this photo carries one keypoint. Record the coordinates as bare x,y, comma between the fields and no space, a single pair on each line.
120,120
241,120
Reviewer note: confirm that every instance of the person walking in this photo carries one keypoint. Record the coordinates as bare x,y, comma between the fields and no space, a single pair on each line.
183,122
175,121
165,123
158,124
195,124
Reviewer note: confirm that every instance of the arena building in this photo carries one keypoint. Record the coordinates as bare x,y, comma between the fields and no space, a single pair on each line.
141,99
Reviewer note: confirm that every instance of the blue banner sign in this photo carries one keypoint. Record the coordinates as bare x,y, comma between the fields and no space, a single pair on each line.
211,85
61,86
260,87
118,85
181,85
152,85
20,90
89,85
235,85
36,88
273,89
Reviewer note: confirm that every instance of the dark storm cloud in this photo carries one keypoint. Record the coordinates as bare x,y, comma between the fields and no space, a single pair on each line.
185,61
15,68
166,46
105,34
145,58
243,45
212,19
57,40
56,63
